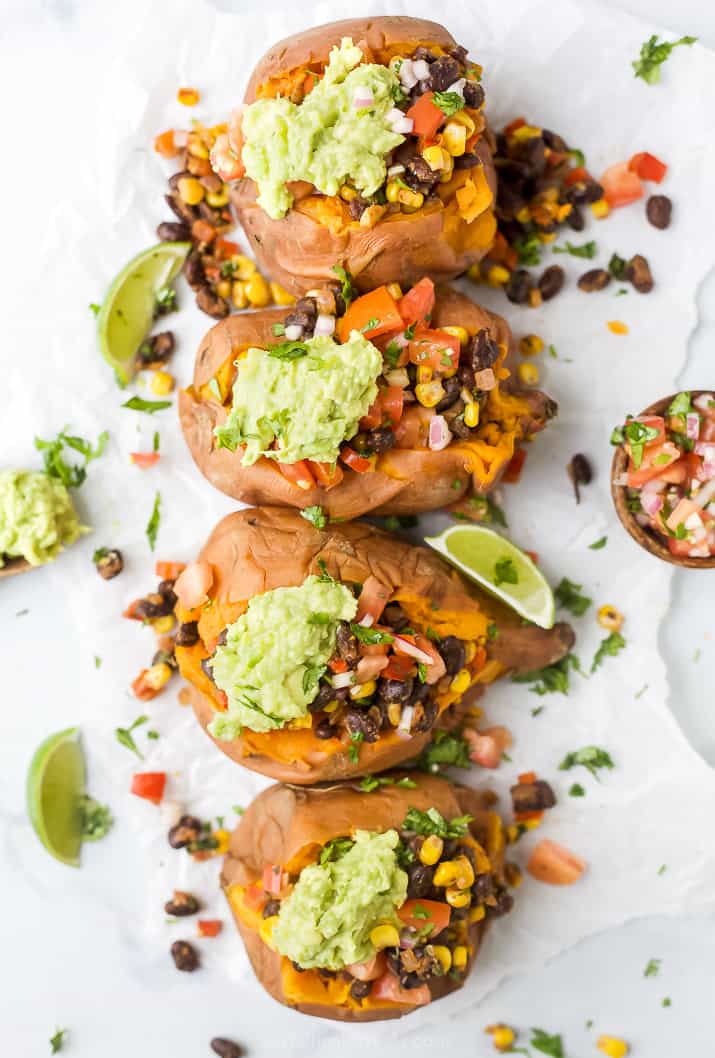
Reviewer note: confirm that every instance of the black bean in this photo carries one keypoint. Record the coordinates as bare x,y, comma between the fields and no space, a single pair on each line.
504,904
451,387
473,94
467,161
453,653
379,440
575,219
153,606
419,176
394,616
659,210
519,286
357,206
173,231
419,692
580,472
188,634
419,877
639,274
455,420
221,641
424,716
534,796
482,352
594,279
108,562
362,722
271,908
226,1048
325,729
181,904
185,956
459,53
423,53
194,271
551,282
158,348
211,303
326,693
395,690
443,73
207,668
165,657
482,888
360,989
554,141
186,214
346,643
188,829
166,590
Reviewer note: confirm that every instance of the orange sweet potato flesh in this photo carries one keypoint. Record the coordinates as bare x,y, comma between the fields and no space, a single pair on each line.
405,481
257,550
288,826
300,250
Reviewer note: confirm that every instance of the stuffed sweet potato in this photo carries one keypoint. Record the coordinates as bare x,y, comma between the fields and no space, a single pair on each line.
362,142
390,403
320,654
360,906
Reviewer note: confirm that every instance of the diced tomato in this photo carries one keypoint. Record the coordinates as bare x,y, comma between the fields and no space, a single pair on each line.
150,785
655,422
417,304
373,650
221,698
373,418
169,570
388,987
399,667
422,913
225,248
487,747
693,466
373,599
681,548
577,175
370,666
193,584
143,690
413,428
338,665
555,865
131,611
621,186
648,167
328,475
527,777
657,460
202,231
254,896
164,144
392,399
533,555
515,466
435,349
298,474
144,460
369,970
274,878
209,927
680,513
372,314
426,115
356,462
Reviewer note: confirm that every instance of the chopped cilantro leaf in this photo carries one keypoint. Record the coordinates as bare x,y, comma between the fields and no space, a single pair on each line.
370,636
652,56
551,1045
447,749
568,595
598,544
96,819
152,527
652,968
553,679
577,790
288,351
448,102
316,516
57,1041
71,475
346,284
125,737
149,406
505,572
433,822
588,249
610,646
590,757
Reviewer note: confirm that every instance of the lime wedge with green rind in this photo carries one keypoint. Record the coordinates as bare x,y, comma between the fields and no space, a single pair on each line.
55,785
476,551
127,312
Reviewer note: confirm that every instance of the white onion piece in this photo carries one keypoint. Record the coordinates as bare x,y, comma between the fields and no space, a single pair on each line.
403,646
398,377
367,621
458,87
704,402
324,326
439,433
403,728
394,114
706,494
485,379
706,449
408,78
692,426
395,170
342,679
293,332
420,69
404,126
363,98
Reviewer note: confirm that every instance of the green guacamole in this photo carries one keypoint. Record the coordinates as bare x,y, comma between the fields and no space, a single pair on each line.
324,139
327,919
37,518
275,654
309,404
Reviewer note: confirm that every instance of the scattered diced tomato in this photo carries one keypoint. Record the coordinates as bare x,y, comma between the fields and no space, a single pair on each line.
413,428
150,785
225,248
202,231
338,665
298,474
555,865
577,175
417,304
131,611
621,185
169,570
144,460
533,555
164,144
372,314
143,690
423,913
648,167
209,927
386,410
435,669
426,115
517,123
254,896
488,746
515,466
369,970
356,462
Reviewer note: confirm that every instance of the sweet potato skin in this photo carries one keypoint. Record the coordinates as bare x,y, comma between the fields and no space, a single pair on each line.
257,550
406,481
300,252
282,820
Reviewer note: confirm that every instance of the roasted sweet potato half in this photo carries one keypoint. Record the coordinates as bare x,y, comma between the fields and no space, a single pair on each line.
399,181
418,946
321,654
437,418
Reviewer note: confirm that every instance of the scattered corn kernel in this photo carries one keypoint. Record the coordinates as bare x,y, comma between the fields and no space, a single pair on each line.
461,681
242,267
535,298
524,215
189,97
442,953
525,132
384,936
347,193
460,957
265,930
394,713
431,850
394,290
600,209
458,897
363,690
617,327
162,383
191,190
223,288
257,291
531,345
513,875
465,877
528,374
457,332
196,147
424,373
546,236
502,1036
610,618
513,833
612,1046
163,625
497,276
238,294
461,117
447,168
281,296
477,913
429,393
157,676
217,199
454,138
392,191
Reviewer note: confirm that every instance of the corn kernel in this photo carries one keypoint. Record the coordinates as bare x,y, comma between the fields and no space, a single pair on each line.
513,875
384,936
497,276
162,383
454,138
431,850
281,296
222,837
223,288
363,690
470,649
157,676
424,373
460,957
531,345
265,930
524,215
474,273
392,191
242,267
610,618
163,625
410,200
617,327
612,1046
461,681
347,193
196,147
447,168
238,294
476,914
372,215
535,298
465,877
502,1037
434,156
394,290
546,236
528,374
458,332
331,706
525,132
257,291
471,414
600,209
461,117
564,211
394,713
217,199
444,956
189,97
429,393
458,898
191,190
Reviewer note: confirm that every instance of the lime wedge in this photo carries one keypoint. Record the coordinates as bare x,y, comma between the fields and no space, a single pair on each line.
55,784
127,312
486,557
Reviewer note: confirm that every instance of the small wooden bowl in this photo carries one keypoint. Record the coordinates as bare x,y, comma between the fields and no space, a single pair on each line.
13,566
640,534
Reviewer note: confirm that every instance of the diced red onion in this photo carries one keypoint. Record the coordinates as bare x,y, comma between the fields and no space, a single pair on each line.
342,679
439,433
324,326
408,938
395,170
408,76
403,646
651,503
708,470
363,98
458,86
420,69
403,126
403,728
706,449
401,340
642,519
293,332
692,425
704,402
485,379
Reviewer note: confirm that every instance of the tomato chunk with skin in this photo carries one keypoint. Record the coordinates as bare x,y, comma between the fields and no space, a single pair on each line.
372,314
388,987
298,474
373,599
423,913
435,349
621,185
553,864
648,167
149,785
326,474
426,115
417,304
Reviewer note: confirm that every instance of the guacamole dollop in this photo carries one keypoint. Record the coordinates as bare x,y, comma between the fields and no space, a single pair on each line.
275,654
309,404
327,918
325,139
37,518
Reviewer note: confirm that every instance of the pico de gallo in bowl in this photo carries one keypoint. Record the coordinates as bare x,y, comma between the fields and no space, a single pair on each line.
663,478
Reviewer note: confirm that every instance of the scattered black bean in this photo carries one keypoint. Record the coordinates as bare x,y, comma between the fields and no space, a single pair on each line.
194,271
325,729
551,282
580,473
424,716
226,1048
419,881
181,904
473,94
109,563
639,274
211,303
532,796
165,657
173,231
362,722
395,690
185,956
594,279
482,352
394,616
659,210
188,829
443,73
378,440
451,387
575,219
482,888
357,206
419,176
504,904
519,286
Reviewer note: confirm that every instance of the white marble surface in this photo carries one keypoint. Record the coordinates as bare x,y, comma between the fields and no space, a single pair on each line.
72,961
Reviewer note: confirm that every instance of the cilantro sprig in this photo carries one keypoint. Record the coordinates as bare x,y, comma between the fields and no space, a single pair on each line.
72,475
448,102
315,515
552,679
447,749
610,646
568,595
653,54
370,636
